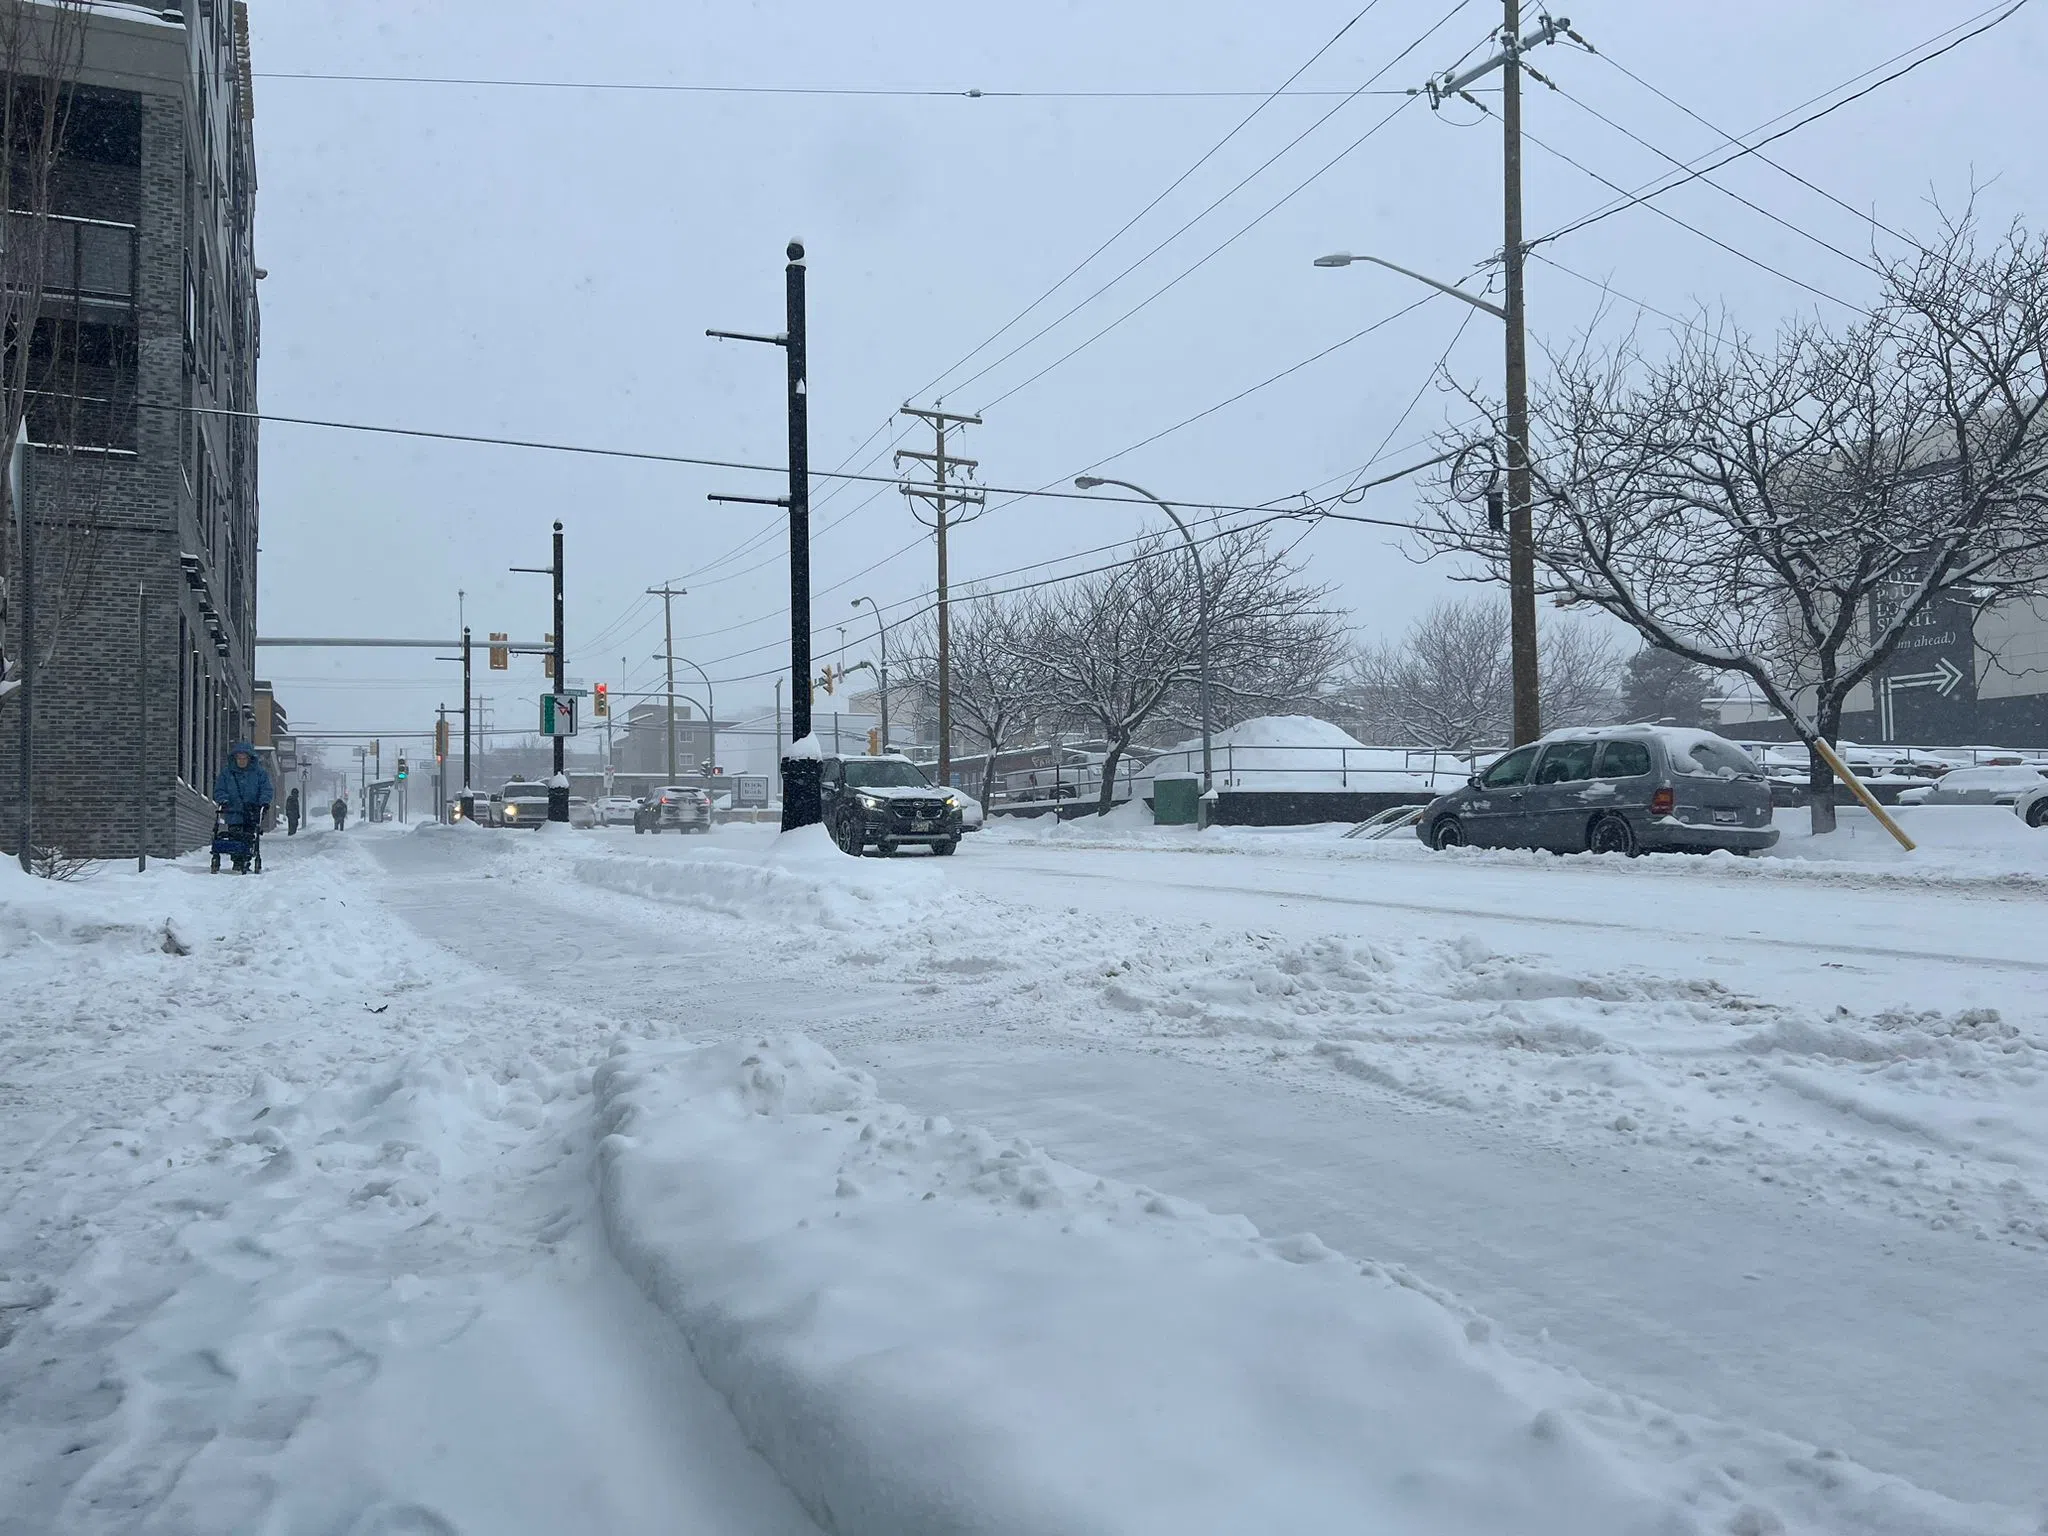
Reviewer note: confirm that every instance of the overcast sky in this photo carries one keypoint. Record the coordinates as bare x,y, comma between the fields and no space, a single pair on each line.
542,264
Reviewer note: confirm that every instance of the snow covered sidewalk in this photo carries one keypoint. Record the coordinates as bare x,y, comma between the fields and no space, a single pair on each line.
297,1234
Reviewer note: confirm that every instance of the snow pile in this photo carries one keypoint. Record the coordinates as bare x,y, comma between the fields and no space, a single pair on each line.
927,1330
799,875
1298,752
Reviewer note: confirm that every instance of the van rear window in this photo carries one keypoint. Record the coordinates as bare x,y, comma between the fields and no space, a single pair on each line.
1623,759
1714,759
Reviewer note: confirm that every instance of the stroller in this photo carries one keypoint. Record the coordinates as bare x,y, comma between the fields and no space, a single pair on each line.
241,843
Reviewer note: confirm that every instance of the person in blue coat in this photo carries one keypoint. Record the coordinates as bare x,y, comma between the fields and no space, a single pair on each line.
242,789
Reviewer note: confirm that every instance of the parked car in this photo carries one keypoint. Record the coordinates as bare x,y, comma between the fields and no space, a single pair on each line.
1976,786
524,804
617,810
1610,789
2032,805
887,803
581,812
972,814
675,808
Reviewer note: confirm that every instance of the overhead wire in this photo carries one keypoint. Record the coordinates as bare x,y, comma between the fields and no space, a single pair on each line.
1663,184
691,88
1219,249
1203,159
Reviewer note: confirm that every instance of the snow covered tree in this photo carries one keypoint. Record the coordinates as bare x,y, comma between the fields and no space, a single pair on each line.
1115,649
1786,510
995,695
1448,681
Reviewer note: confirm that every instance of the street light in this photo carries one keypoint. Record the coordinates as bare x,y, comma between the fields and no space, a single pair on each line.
881,677
711,715
1089,483
1521,534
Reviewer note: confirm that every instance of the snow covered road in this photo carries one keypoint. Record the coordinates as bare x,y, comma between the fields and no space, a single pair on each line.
458,1182
1748,1233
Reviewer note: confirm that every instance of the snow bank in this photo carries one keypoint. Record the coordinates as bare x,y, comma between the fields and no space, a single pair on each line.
801,876
1297,752
927,1330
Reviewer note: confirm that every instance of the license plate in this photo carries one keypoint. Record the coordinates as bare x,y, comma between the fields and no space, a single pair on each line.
922,826
1726,816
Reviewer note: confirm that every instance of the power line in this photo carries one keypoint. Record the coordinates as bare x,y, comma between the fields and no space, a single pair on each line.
1636,138
1218,250
1642,195
687,88
1206,156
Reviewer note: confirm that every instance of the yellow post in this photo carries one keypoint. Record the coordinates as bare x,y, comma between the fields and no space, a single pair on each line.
1856,788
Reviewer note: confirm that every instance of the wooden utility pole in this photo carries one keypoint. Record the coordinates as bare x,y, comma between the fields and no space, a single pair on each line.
941,494
668,595
1528,722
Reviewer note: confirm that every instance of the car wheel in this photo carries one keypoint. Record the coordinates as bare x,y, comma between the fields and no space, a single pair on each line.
1447,833
2037,813
1612,834
946,849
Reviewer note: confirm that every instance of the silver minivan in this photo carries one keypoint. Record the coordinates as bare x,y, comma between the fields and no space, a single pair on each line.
1610,789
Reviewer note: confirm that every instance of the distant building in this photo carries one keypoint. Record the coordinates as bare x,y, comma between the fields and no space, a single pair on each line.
1960,677
144,342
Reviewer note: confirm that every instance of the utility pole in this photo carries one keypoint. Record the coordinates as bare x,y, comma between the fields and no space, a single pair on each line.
1521,533
23,503
939,495
468,799
800,774
142,726
558,787
668,595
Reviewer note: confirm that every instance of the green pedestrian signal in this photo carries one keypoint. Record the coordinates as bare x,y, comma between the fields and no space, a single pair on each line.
401,770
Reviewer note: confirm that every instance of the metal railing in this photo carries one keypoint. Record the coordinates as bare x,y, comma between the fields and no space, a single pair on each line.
1321,767
92,259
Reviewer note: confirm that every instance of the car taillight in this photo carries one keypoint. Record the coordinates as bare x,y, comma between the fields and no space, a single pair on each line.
664,799
1663,802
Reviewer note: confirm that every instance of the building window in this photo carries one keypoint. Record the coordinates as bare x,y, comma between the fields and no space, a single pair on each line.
104,127
82,383
184,741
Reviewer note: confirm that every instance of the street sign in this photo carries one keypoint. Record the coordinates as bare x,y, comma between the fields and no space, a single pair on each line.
557,715
750,789
1928,690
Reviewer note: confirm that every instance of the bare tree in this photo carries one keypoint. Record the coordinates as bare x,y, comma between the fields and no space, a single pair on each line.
1448,681
994,694
58,379
1115,648
1785,511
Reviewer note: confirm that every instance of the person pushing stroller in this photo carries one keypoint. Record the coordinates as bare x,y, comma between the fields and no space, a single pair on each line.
242,794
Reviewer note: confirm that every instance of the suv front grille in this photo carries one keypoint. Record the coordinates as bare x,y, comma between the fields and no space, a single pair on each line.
918,810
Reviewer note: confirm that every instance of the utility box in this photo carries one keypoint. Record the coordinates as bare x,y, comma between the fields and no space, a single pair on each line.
1176,802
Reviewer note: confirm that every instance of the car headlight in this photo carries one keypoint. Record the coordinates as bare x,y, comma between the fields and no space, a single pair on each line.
872,802
511,810
954,801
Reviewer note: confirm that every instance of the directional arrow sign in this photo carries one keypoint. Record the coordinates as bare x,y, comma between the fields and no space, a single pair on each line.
1943,679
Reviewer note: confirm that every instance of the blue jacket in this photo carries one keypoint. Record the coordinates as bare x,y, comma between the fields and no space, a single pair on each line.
242,789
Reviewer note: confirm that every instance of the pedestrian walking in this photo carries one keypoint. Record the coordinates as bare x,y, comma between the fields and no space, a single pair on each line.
242,793
291,814
339,811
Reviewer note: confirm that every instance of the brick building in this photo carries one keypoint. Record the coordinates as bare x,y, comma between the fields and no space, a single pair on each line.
141,491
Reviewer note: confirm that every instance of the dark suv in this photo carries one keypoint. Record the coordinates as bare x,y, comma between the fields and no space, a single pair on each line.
1610,789
887,802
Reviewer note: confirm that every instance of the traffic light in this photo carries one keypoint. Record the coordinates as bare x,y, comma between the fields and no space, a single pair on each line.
547,660
501,652
440,741
828,680
602,695
874,741
401,770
